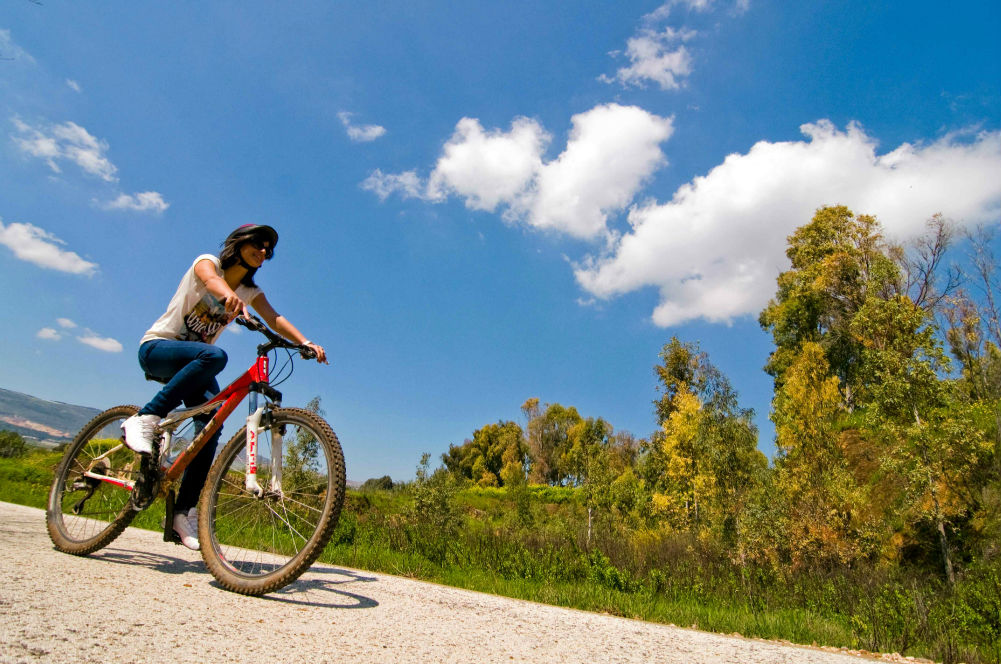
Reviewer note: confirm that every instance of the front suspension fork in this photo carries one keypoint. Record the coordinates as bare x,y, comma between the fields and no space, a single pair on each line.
254,430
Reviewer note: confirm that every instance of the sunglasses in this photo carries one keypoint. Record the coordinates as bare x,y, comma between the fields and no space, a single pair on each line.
259,243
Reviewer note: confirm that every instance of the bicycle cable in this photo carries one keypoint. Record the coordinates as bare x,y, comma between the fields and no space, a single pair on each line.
280,375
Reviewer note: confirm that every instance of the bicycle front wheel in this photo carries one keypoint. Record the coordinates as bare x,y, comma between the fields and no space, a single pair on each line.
257,544
89,500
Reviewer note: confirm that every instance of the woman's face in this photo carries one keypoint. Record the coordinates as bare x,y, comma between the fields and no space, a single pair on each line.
254,252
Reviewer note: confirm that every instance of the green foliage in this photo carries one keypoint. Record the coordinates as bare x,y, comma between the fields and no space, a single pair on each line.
839,260
433,507
302,450
704,461
549,441
384,483
496,453
11,445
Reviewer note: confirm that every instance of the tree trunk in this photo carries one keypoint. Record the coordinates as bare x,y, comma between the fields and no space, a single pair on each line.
943,542
588,527
950,574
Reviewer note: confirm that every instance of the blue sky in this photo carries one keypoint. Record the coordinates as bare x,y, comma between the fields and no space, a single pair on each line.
477,204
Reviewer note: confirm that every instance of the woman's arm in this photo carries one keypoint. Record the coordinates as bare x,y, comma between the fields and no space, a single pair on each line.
206,271
284,327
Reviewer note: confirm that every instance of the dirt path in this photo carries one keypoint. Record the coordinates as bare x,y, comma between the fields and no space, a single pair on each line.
143,600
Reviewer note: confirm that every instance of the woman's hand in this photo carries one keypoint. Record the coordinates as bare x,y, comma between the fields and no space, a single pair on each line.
234,305
321,355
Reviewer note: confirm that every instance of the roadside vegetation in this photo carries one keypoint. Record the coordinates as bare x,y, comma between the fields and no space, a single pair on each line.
876,527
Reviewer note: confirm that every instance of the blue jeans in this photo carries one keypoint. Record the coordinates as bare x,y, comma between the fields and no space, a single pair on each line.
189,369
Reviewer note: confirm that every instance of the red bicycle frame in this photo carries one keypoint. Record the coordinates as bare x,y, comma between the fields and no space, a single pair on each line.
230,397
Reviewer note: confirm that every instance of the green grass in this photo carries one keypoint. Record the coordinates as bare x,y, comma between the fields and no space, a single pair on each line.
544,562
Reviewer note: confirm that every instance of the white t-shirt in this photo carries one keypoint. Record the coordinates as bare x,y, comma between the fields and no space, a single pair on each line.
194,314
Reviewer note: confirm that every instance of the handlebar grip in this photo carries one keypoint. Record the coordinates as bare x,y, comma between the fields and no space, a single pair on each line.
251,323
307,353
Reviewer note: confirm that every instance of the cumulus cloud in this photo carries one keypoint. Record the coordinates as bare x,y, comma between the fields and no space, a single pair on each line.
360,133
715,249
612,150
66,323
73,85
35,245
144,201
611,153
106,344
66,142
48,334
488,168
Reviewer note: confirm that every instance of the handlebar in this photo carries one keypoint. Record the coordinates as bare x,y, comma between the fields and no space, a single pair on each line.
275,340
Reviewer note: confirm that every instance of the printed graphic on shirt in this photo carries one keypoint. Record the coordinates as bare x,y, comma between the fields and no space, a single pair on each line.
204,321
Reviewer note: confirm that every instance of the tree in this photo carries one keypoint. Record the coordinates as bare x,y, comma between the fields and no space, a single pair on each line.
705,458
838,261
825,521
495,450
11,445
931,439
303,449
548,440
384,483
587,465
922,265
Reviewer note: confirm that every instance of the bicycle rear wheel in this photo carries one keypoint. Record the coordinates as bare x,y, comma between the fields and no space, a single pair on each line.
256,545
88,505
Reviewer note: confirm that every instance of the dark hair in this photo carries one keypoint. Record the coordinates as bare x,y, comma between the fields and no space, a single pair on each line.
230,255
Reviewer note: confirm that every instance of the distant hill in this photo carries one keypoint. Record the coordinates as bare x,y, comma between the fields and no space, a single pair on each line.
40,422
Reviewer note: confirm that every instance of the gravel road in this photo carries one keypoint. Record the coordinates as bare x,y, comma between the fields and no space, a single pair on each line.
144,600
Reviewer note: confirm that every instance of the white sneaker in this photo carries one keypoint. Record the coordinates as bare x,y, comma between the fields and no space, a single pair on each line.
140,431
193,518
182,527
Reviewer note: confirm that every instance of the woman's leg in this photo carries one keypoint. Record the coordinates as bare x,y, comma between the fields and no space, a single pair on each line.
198,469
187,366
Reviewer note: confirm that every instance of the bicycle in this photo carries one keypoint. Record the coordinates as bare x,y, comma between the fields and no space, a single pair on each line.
271,501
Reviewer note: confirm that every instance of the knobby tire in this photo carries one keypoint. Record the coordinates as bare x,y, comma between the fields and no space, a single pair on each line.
252,545
108,509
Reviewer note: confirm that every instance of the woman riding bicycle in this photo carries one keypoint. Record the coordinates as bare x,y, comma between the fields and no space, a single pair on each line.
179,350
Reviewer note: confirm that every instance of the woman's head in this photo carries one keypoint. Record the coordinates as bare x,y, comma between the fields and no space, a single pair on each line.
246,242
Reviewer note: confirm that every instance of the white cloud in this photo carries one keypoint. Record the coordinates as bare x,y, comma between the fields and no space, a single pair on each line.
106,344
35,245
66,323
715,249
144,201
488,168
407,184
611,152
11,51
665,10
73,85
66,142
362,133
48,334
657,57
